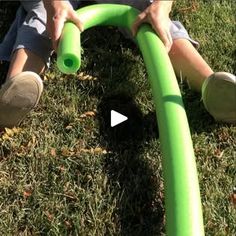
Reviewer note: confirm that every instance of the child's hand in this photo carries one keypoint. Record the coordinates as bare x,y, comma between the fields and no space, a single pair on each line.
57,13
157,14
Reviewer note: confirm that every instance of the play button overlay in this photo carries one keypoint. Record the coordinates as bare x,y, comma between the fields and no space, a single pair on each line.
117,118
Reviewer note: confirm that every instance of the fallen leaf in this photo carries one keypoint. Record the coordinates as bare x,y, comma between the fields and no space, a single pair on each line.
62,168
53,152
66,152
6,137
45,77
69,127
97,150
88,114
9,133
16,130
81,76
27,193
233,197
194,6
49,215
85,150
67,224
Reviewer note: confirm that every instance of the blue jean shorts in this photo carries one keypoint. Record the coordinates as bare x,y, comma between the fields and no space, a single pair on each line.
29,28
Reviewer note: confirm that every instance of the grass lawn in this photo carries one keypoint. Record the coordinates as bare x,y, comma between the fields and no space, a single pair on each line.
64,172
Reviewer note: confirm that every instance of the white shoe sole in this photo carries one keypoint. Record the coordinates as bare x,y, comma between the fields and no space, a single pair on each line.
219,96
18,96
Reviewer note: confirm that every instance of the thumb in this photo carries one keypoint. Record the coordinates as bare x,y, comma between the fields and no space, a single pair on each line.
75,19
141,18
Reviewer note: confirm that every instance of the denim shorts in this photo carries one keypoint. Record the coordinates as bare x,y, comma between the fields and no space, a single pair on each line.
29,28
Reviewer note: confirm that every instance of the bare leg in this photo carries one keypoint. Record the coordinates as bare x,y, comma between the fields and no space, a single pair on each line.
22,90
25,60
218,89
189,64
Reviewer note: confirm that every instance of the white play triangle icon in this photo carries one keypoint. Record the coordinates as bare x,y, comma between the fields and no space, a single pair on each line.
117,118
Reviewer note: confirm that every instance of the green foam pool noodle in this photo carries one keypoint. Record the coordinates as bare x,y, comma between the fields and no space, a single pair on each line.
182,194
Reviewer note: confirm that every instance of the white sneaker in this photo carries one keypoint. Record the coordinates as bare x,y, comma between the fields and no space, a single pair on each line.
18,96
219,96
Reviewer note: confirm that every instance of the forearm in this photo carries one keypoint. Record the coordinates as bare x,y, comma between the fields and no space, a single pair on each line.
167,4
52,6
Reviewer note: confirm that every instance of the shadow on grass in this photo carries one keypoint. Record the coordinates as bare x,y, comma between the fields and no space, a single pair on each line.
200,121
139,212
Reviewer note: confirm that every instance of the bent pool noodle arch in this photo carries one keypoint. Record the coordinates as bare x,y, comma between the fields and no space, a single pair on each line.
182,195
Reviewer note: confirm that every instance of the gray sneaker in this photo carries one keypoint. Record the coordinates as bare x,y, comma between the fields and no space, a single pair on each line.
18,96
219,96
